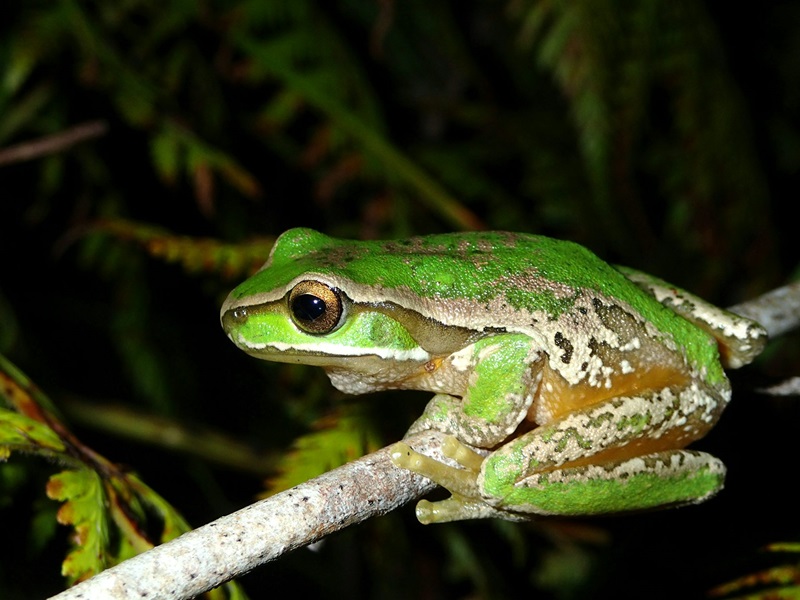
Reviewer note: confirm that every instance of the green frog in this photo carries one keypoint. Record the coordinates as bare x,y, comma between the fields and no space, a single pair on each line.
567,386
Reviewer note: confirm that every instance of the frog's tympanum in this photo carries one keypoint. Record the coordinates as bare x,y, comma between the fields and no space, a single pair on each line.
583,381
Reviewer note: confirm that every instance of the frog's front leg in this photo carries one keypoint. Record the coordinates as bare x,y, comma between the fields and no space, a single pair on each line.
504,375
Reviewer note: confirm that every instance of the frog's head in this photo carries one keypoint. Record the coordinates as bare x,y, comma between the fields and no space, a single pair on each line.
311,320
307,305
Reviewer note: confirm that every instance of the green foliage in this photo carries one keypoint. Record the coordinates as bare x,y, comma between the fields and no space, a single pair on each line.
335,440
150,152
18,432
109,510
613,67
82,494
781,582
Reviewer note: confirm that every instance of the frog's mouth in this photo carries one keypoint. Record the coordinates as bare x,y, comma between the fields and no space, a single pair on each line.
327,355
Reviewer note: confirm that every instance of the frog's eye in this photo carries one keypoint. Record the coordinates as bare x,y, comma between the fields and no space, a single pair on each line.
316,307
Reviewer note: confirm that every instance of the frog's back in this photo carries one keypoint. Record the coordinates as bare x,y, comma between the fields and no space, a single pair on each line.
525,271
483,281
476,266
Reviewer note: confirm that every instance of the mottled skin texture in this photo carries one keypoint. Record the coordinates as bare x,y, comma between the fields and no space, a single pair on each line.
584,381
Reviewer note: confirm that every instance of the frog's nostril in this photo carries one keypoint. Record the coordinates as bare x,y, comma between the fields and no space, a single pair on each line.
233,317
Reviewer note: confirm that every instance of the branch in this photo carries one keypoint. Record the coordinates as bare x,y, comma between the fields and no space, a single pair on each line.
778,311
371,486
237,543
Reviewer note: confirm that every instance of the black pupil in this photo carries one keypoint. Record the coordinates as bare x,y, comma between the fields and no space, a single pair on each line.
308,307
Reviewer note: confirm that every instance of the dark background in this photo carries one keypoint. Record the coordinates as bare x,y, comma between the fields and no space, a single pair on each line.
664,135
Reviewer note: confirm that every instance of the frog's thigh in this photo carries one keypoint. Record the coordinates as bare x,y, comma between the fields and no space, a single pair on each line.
669,478
615,428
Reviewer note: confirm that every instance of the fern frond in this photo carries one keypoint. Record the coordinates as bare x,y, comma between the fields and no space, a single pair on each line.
195,255
110,511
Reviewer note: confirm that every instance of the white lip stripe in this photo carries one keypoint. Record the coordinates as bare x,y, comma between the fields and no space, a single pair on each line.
327,349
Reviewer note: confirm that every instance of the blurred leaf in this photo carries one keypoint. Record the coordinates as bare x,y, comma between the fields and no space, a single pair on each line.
231,261
773,583
21,433
337,439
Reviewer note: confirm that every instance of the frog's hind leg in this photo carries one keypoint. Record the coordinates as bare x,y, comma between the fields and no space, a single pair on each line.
660,479
620,454
617,455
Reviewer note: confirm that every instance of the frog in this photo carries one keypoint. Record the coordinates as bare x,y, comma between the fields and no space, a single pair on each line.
563,385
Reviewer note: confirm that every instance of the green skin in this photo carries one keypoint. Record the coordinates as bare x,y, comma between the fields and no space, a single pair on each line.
578,382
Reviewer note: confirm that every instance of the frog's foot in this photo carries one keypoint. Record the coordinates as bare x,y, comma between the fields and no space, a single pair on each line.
458,481
459,508
465,502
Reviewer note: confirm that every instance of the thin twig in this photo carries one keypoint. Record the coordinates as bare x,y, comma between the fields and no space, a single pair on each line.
787,387
51,144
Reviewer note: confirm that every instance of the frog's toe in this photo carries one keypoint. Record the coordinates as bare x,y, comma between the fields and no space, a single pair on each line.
455,508
405,457
456,480
462,454
459,508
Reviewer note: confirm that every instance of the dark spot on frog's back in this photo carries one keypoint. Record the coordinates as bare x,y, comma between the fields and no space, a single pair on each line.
395,246
336,257
565,345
